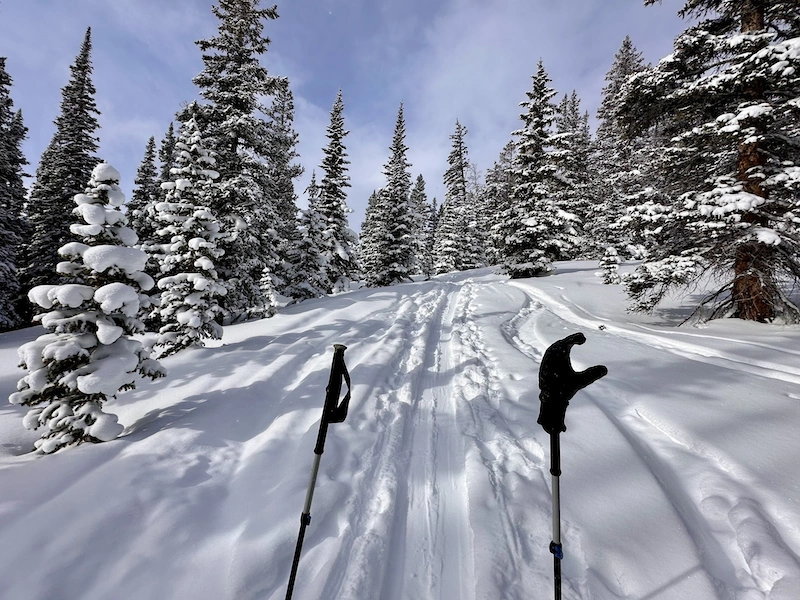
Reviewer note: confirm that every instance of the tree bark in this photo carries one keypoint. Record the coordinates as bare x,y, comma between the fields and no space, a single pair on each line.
753,288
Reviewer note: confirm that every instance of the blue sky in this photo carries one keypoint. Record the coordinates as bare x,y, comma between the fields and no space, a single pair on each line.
444,59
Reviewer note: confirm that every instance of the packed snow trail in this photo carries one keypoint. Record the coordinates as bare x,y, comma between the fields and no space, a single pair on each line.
680,468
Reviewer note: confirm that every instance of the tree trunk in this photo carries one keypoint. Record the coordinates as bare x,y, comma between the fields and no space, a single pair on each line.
753,288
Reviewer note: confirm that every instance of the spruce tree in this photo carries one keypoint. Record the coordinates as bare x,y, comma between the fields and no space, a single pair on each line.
625,171
13,230
186,246
340,241
65,167
452,236
499,187
534,230
89,354
145,194
234,82
477,220
282,172
310,273
726,97
394,243
571,148
422,219
374,235
166,154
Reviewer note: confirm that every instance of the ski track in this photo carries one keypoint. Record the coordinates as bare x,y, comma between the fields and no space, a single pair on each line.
716,506
565,309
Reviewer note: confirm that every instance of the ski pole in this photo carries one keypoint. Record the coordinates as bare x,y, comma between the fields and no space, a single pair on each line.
558,383
332,412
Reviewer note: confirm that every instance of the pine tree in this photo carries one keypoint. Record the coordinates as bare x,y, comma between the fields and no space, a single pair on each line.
625,170
534,230
339,240
145,194
431,227
452,237
88,354
423,248
374,233
166,154
65,167
393,240
234,82
477,220
310,274
499,187
609,264
282,173
13,228
186,247
571,147
733,166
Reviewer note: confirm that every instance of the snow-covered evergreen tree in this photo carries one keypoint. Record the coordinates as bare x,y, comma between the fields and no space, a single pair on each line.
477,220
186,247
145,194
65,167
166,154
452,234
431,227
733,166
282,173
393,242
88,354
340,242
497,202
13,230
626,175
423,243
234,83
534,230
310,273
609,264
373,233
571,149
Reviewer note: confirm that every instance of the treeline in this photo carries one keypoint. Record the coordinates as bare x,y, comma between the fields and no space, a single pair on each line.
694,170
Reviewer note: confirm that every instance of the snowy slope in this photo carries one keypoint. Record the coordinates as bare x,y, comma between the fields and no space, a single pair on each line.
681,468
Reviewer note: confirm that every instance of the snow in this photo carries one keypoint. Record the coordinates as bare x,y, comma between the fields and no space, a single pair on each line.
681,469
69,295
106,256
105,172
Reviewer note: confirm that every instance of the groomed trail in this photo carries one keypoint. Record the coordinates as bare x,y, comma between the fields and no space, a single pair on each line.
680,478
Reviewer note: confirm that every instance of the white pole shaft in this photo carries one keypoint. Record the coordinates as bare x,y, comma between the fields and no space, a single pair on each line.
311,483
556,511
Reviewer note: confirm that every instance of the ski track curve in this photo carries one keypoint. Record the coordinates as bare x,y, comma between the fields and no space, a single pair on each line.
568,311
718,507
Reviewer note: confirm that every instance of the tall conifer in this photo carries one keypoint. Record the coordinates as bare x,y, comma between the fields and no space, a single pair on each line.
282,171
394,219
726,98
145,193
13,230
234,84
534,229
340,242
65,167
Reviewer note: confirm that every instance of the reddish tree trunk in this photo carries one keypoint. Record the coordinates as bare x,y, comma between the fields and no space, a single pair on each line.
752,295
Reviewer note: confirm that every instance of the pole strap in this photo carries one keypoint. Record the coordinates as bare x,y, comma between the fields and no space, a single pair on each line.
334,411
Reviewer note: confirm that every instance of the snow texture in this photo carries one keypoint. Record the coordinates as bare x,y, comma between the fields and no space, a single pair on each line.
679,469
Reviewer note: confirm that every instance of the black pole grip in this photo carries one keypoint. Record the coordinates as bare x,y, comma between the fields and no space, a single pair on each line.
558,382
334,411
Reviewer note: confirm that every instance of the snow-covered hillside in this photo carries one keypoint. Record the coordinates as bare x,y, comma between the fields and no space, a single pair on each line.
681,468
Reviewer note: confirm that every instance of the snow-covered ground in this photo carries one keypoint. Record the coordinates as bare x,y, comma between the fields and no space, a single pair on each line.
681,468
